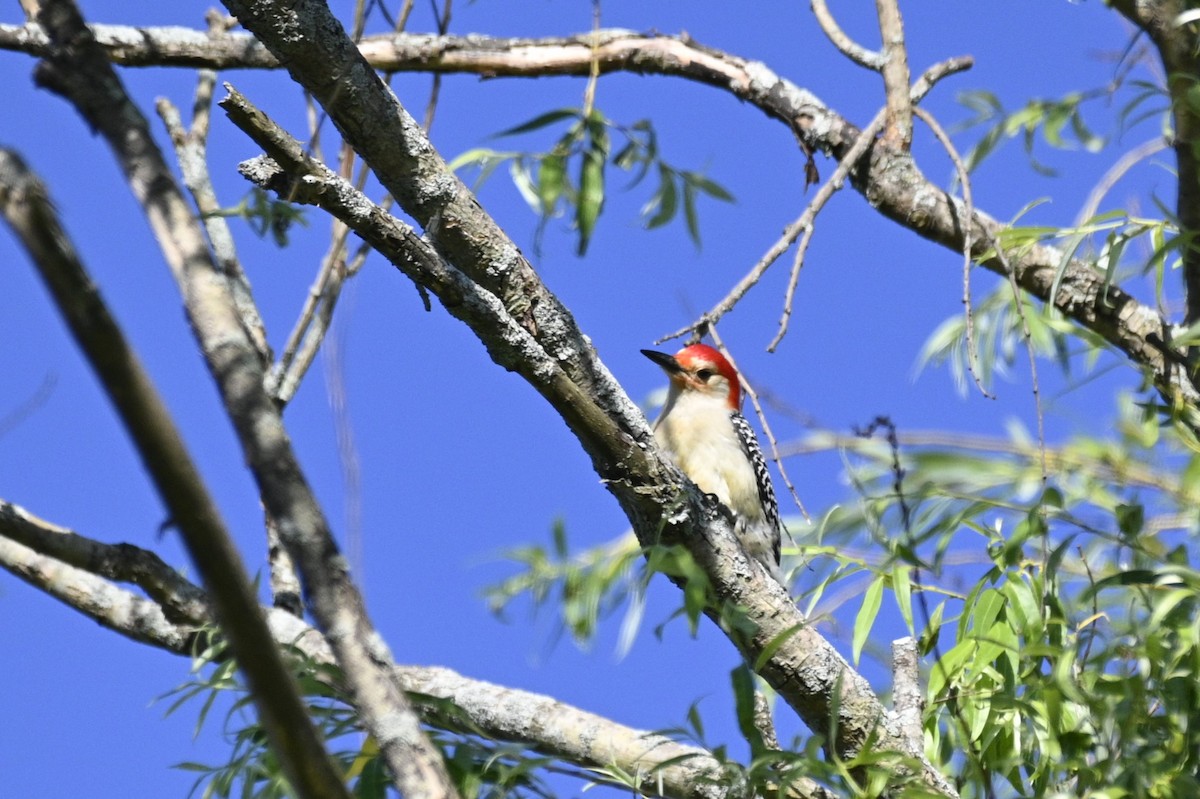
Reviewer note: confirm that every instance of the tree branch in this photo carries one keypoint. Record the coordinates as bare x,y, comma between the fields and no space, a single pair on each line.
1176,46
122,611
892,183
863,56
76,69
660,766
181,601
27,208
898,132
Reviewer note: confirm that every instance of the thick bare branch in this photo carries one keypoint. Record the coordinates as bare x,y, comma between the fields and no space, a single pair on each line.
660,766
77,70
117,609
1176,46
27,208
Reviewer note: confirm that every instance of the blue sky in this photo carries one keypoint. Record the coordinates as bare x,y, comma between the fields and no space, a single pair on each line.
459,459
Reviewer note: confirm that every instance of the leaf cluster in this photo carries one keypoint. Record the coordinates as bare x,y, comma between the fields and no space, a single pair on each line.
1058,618
481,768
571,177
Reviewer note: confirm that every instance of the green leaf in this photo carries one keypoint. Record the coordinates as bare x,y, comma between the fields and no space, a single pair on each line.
591,195
558,532
743,695
902,588
540,121
689,213
518,169
1131,518
664,202
695,722
550,180
478,156
708,186
872,599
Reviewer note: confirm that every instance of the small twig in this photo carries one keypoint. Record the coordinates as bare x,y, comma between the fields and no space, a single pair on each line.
308,333
191,151
360,19
1117,171
968,227
762,420
893,440
922,87
13,418
764,722
435,90
1033,371
860,55
402,17
1087,650
805,223
898,132
26,206
943,69
589,92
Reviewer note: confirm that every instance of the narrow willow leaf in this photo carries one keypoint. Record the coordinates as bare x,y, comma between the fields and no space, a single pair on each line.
689,213
550,179
591,196
540,121
902,587
743,694
872,599
665,200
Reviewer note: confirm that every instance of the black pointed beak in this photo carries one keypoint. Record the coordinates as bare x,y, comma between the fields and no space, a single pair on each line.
667,362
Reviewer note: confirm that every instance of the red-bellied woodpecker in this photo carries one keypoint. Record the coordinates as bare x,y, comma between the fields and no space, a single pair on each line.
702,428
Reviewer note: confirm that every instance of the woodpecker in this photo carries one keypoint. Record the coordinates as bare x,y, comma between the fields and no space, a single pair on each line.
702,428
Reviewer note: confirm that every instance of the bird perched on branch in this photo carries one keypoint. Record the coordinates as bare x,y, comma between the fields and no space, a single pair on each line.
702,428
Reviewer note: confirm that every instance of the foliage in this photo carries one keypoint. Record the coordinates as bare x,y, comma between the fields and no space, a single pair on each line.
1059,615
264,214
585,149
1060,122
481,769
583,588
1065,662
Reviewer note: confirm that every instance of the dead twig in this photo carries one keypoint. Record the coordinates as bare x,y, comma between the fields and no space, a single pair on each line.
964,180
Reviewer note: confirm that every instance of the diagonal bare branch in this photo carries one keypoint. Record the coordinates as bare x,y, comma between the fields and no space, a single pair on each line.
77,70
81,572
27,208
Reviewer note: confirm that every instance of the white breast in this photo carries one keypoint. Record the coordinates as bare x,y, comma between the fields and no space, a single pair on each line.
696,431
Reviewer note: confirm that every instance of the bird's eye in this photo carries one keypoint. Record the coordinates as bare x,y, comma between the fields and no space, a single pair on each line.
705,374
